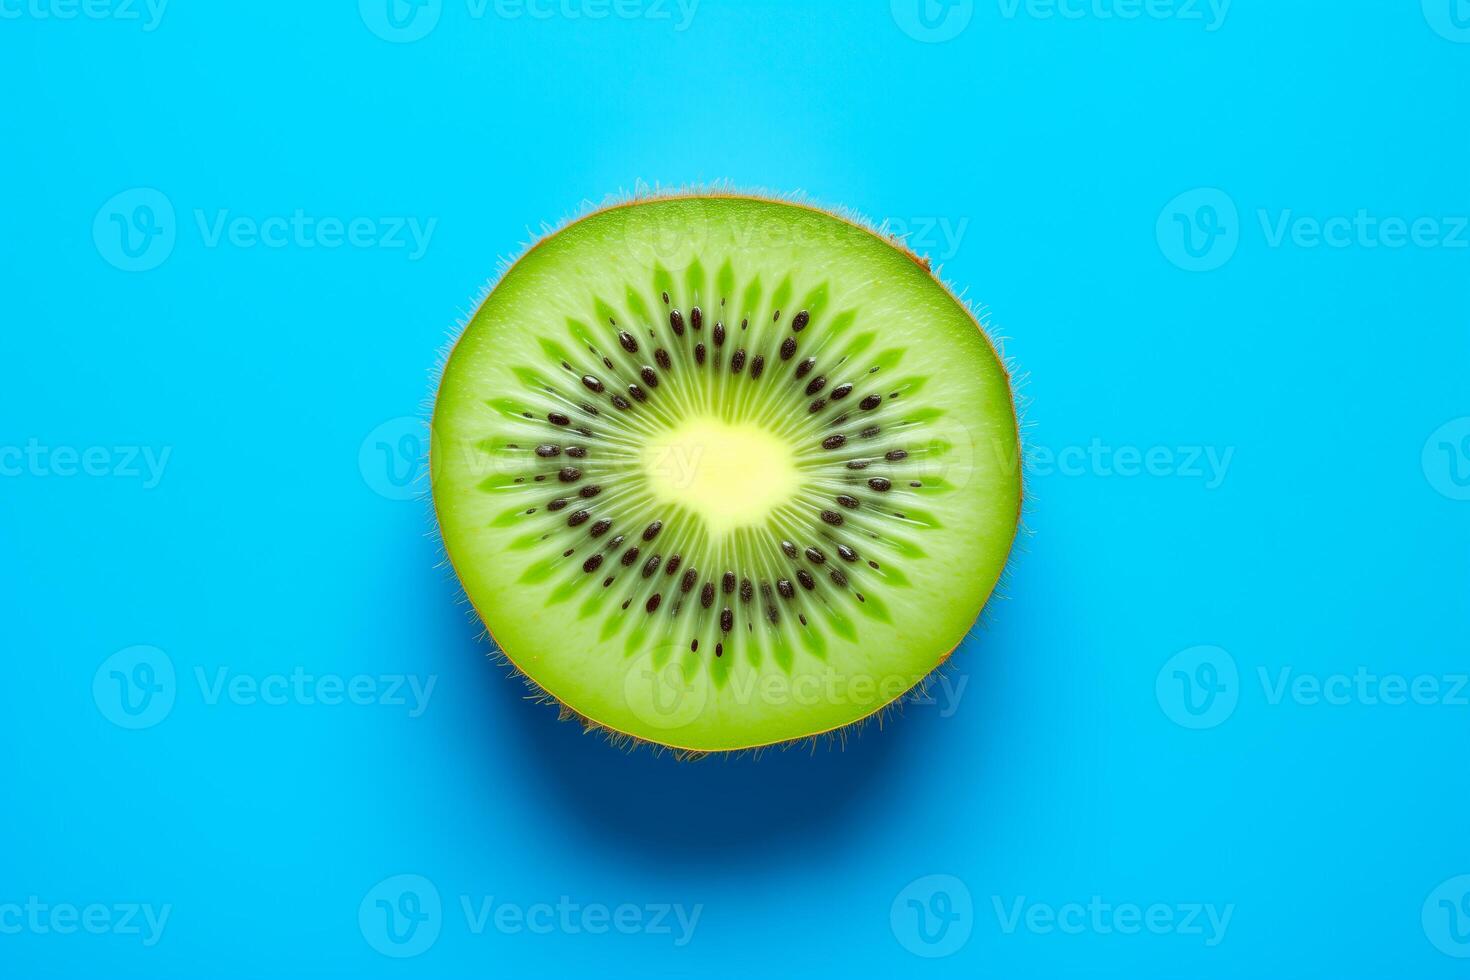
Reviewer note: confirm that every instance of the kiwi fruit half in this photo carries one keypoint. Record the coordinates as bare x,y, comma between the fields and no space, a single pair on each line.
719,472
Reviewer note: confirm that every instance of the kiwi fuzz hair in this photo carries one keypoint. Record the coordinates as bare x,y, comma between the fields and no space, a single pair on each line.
838,734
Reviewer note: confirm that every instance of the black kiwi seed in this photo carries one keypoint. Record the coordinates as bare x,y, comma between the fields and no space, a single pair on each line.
746,590
676,320
784,587
834,442
698,353
870,403
631,555
727,583
720,647
639,395
651,532
687,582
577,452
546,452
816,385
629,344
649,376
737,360
870,432
556,504
592,384
585,431
832,517
846,553
650,566
620,402
557,418
589,409
616,542
816,406
799,322
841,391
757,366
789,549
727,622
696,318
589,491
805,367
652,604
707,595
815,556
600,528
569,474
880,484
666,297
592,564
851,503
857,464
805,578
661,358
578,517
719,334
839,577
894,455
788,348
673,565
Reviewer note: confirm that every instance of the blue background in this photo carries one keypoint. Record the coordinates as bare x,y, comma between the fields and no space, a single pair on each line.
277,537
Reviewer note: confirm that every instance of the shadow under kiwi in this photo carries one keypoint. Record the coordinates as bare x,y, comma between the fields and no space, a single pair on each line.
726,808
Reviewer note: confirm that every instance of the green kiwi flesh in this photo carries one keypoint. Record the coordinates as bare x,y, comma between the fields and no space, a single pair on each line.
719,472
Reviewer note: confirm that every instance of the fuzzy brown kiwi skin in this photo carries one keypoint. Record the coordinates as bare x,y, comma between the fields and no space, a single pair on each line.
615,735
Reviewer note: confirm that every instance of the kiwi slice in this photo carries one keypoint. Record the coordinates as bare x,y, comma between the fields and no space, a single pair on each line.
719,472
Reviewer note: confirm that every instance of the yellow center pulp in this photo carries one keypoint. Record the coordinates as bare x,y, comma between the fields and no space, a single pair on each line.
732,475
